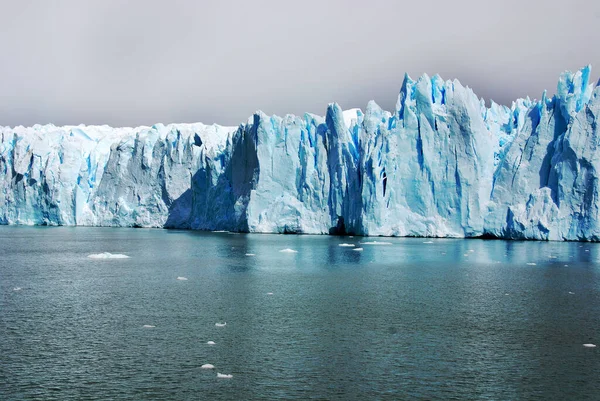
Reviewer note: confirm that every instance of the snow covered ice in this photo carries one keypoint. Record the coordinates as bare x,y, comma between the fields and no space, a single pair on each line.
441,164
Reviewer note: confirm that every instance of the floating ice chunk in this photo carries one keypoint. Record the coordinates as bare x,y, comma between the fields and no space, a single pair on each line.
269,293
531,264
288,250
148,326
347,245
221,231
589,345
466,254
471,250
507,293
553,257
17,289
566,265
211,343
358,249
182,278
207,366
376,243
250,254
224,376
587,250
572,293
351,236
221,324
428,242
107,255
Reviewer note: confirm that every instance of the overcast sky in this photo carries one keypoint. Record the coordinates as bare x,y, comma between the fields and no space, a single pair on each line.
141,62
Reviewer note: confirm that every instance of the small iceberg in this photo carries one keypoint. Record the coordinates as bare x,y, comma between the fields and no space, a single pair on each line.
211,343
250,254
531,264
182,278
589,345
269,293
347,245
376,243
223,376
107,255
221,324
288,250
358,249
571,293
471,250
148,326
428,242
207,366
17,289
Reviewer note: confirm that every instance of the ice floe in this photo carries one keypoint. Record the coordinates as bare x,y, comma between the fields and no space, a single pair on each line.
107,255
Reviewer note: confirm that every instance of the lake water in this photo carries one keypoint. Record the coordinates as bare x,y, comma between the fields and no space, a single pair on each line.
450,319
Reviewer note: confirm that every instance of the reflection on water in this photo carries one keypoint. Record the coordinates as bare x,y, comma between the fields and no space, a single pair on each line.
419,318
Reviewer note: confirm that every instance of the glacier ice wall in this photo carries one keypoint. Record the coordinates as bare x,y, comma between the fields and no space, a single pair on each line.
441,164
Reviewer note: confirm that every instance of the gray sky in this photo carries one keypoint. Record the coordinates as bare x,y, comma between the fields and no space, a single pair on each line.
140,62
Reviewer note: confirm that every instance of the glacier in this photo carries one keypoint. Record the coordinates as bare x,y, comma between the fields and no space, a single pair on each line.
442,164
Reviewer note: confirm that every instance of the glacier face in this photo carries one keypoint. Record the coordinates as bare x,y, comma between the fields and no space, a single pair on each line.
441,164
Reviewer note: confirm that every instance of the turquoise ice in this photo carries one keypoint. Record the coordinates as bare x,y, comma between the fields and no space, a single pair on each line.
442,164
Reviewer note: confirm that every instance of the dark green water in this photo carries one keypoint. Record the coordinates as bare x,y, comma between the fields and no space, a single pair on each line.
410,320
